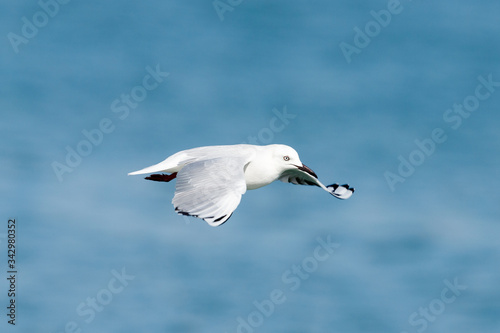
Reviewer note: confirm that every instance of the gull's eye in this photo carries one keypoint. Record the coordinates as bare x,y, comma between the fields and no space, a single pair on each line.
286,158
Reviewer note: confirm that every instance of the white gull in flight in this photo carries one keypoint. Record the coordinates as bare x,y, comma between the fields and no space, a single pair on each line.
211,180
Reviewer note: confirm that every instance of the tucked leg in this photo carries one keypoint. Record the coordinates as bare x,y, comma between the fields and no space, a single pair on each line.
162,177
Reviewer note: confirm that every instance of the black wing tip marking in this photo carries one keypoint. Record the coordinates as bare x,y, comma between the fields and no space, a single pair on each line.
300,181
219,218
343,194
181,212
222,217
346,186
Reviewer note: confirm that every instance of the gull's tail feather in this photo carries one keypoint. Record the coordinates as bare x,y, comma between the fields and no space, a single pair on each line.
172,164
168,166
154,168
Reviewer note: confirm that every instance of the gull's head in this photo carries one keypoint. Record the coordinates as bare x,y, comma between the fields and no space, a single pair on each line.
286,158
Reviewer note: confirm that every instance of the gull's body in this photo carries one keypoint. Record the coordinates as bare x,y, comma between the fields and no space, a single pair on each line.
211,180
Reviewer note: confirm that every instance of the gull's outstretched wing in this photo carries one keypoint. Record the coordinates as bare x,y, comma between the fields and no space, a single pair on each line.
210,189
178,160
305,176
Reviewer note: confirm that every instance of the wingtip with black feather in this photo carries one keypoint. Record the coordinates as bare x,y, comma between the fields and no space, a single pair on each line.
341,191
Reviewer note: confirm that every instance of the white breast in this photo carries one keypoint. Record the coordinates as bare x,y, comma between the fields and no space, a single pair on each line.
260,172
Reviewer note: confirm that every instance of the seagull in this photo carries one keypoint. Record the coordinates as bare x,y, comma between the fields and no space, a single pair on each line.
212,179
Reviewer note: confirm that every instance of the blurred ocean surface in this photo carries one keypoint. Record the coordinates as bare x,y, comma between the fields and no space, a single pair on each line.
99,251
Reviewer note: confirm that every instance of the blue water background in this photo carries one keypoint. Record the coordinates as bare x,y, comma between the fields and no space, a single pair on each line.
349,121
